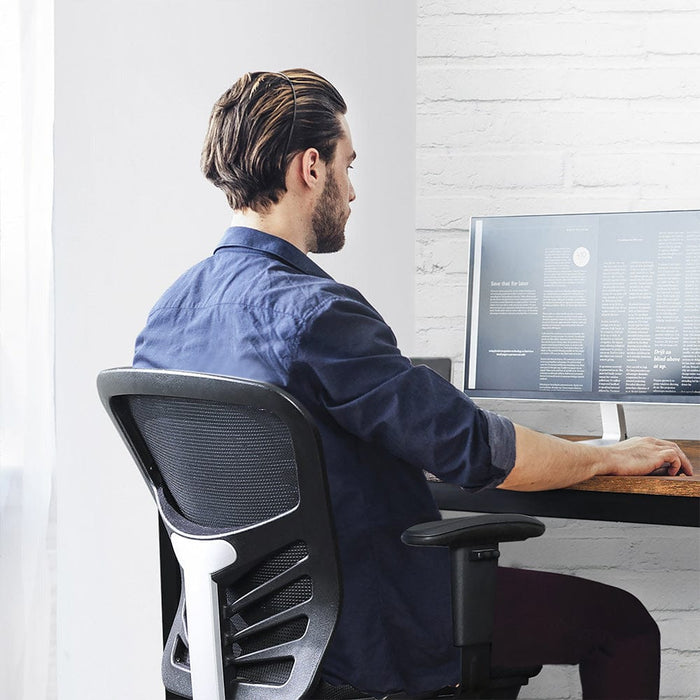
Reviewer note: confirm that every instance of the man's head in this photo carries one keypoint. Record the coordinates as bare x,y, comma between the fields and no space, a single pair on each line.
259,125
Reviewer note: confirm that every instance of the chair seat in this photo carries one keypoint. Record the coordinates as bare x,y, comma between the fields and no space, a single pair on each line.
326,691
505,684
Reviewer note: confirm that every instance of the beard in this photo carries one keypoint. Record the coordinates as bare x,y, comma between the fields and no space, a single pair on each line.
328,219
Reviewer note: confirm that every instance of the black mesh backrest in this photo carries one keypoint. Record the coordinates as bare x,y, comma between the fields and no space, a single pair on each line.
225,465
240,460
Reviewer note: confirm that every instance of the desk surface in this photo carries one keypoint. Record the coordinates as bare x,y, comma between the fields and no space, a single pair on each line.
658,500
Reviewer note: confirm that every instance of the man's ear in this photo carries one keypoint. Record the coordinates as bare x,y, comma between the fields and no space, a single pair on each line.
311,165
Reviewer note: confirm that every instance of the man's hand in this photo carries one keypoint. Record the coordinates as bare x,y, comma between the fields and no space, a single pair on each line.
643,455
545,462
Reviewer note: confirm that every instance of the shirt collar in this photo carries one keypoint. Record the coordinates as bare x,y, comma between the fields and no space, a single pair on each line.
243,237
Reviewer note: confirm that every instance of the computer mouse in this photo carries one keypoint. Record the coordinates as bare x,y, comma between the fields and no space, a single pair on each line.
660,471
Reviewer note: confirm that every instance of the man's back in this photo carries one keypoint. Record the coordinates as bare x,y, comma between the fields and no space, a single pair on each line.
259,308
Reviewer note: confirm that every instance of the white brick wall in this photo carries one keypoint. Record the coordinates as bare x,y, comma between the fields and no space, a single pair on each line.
553,106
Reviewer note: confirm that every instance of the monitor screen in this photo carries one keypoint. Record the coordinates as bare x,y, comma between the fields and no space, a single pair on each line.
589,307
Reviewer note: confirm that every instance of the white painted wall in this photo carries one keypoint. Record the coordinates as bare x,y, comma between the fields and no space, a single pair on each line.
554,106
135,81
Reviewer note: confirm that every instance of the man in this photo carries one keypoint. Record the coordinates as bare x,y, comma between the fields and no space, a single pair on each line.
279,146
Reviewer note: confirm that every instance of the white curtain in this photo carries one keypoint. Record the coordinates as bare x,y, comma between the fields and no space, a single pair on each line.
27,523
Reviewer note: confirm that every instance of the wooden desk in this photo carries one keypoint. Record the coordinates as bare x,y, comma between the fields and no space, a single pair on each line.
658,500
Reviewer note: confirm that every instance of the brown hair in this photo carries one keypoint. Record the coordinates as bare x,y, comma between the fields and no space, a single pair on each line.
259,124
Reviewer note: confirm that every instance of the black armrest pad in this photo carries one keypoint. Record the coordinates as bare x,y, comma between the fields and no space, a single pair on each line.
473,530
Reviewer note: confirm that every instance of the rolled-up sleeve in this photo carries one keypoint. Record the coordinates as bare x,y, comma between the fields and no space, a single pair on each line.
501,440
347,356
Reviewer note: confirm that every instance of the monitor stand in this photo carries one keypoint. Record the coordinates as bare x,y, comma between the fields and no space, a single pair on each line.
614,424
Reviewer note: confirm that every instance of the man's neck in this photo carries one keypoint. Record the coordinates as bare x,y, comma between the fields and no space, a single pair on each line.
278,220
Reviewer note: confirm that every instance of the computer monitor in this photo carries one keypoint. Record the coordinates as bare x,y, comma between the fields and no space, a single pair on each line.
585,307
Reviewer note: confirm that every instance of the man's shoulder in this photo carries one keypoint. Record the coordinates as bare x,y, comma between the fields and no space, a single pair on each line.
326,291
267,279
255,281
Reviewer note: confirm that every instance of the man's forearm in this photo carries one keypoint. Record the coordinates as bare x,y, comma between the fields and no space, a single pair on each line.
546,462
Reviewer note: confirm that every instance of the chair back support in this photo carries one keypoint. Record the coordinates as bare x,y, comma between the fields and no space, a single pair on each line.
236,469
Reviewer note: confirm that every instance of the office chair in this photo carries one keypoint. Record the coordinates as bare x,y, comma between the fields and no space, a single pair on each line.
441,365
236,469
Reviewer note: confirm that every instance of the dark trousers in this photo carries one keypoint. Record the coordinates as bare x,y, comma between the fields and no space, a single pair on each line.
544,618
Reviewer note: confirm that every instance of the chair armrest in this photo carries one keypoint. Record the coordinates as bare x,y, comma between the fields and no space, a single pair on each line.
473,543
473,530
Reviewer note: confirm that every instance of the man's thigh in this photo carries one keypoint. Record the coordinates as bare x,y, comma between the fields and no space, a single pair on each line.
546,618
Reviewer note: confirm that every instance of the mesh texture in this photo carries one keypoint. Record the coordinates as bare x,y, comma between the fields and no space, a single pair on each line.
225,465
276,673
294,594
287,632
277,564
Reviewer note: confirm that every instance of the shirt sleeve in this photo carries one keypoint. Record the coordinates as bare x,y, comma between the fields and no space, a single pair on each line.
348,359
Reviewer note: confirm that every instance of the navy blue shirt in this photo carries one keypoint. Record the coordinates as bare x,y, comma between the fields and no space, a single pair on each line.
260,308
